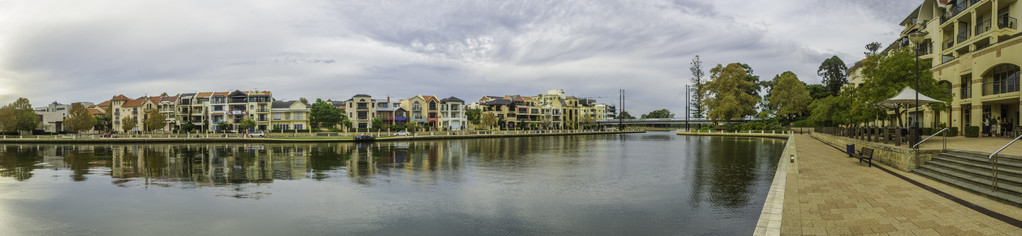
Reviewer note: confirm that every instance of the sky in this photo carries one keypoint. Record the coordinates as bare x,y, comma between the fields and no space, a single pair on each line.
70,50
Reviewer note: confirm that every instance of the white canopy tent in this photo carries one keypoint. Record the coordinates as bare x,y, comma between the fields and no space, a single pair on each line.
906,99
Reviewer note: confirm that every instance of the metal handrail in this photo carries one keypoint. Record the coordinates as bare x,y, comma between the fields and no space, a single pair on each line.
931,136
993,161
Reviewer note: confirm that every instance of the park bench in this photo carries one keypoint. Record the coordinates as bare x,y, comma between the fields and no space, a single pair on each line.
865,154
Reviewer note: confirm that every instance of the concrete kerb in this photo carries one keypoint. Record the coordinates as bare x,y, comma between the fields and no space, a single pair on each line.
901,158
769,222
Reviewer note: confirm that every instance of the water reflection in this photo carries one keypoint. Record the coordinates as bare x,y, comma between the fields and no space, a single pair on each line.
640,184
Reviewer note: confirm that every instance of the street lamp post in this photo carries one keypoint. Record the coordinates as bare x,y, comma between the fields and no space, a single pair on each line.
917,38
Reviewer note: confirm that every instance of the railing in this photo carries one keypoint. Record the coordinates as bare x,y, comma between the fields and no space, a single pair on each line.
982,27
993,161
1005,21
963,35
943,141
948,43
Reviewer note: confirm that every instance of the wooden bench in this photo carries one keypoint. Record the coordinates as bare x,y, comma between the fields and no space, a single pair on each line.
865,154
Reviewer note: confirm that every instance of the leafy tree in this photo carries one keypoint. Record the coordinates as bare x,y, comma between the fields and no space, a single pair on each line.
377,123
790,97
473,115
304,101
489,120
186,127
127,124
834,73
247,124
154,120
697,81
79,119
727,93
414,126
889,75
624,115
830,111
818,91
346,122
25,118
8,121
752,78
588,121
872,49
324,114
164,94
658,114
768,87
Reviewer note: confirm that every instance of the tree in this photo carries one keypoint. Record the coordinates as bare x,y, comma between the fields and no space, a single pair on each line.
790,97
727,93
25,118
186,127
377,123
489,120
658,114
473,115
8,121
697,81
324,114
246,124
127,124
164,94
304,101
154,120
889,75
830,111
750,77
834,73
587,122
414,126
818,91
624,115
872,49
79,119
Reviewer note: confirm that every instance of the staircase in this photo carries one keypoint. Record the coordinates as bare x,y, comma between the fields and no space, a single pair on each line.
971,171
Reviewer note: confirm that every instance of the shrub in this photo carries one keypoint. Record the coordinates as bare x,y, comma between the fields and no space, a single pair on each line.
953,131
972,131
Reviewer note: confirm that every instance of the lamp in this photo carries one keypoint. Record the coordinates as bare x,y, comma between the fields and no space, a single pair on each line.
917,38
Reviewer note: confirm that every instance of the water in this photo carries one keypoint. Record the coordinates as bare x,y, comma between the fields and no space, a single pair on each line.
635,184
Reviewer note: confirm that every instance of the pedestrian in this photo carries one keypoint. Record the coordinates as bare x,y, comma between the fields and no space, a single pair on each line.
993,127
986,126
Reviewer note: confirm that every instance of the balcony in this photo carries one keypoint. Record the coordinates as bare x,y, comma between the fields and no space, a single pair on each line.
948,43
1005,21
237,112
962,36
982,27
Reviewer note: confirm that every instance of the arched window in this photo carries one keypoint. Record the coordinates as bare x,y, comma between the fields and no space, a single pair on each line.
1000,79
432,105
416,106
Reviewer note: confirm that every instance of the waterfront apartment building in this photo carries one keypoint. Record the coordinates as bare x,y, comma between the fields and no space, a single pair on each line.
361,109
452,114
391,113
972,47
423,109
289,116
216,111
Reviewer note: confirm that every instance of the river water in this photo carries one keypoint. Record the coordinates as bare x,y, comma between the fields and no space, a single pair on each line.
655,183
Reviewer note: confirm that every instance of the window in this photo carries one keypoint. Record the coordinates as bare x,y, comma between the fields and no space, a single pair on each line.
966,88
298,116
432,105
1001,79
298,126
416,106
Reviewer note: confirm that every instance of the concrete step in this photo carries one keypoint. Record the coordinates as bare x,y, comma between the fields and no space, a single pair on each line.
980,178
985,155
985,190
1003,170
979,172
1001,161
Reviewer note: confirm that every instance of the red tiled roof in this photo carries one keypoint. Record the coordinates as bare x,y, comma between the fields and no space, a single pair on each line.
104,104
134,103
168,99
96,112
204,94
120,97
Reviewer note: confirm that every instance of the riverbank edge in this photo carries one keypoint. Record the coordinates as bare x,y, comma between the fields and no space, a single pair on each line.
760,135
278,140
769,222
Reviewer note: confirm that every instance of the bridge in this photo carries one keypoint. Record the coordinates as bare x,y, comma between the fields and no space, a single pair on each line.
663,122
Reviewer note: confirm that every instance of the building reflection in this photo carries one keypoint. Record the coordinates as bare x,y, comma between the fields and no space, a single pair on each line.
211,165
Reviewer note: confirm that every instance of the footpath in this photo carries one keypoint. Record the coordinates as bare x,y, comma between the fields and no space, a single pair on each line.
831,193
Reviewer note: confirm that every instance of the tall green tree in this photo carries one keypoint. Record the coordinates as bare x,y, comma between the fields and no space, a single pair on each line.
697,87
752,78
246,124
625,115
8,121
872,49
658,114
79,119
727,93
324,114
818,91
790,97
127,124
473,115
154,120
25,117
830,111
834,73
377,123
489,120
890,74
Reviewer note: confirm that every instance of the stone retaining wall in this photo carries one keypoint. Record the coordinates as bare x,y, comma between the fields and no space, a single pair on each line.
901,158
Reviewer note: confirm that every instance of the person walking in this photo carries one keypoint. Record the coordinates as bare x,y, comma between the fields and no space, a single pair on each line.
993,127
986,127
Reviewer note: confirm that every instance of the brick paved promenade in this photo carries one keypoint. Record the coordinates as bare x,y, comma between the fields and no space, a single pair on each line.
833,194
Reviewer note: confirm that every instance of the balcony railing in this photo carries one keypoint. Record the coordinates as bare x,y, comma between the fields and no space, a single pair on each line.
964,35
1005,21
982,27
948,43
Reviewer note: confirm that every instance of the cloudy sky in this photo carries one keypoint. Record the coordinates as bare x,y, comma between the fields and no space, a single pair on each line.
72,50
